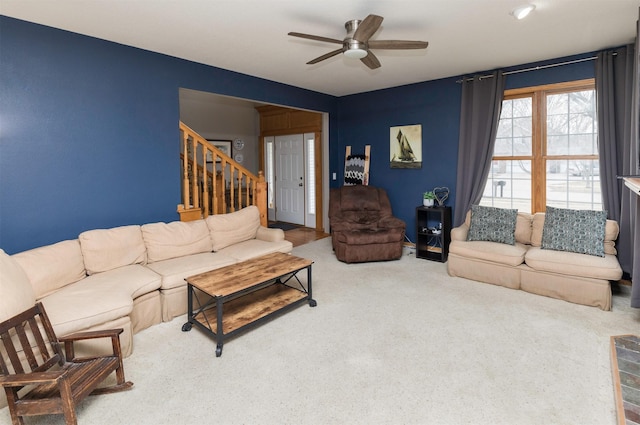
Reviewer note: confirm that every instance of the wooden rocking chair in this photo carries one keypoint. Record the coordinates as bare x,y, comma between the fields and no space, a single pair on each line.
31,356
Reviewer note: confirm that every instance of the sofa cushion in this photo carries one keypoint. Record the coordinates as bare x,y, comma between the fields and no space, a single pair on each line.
107,249
53,266
493,224
579,231
574,264
510,255
239,226
134,280
84,304
176,239
174,270
611,231
255,248
269,235
17,292
537,224
523,228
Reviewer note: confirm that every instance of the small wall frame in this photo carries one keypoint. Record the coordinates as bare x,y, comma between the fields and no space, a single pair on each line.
405,146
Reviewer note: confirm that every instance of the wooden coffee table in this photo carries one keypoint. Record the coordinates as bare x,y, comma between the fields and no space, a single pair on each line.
231,299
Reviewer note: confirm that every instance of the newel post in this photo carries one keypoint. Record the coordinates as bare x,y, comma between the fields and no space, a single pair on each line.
261,199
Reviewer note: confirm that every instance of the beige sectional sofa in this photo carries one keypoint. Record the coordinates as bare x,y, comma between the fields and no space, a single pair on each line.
578,278
129,277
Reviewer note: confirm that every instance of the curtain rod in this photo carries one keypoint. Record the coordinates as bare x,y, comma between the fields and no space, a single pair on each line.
536,68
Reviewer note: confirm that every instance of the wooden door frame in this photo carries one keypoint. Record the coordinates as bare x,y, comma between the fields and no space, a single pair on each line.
279,121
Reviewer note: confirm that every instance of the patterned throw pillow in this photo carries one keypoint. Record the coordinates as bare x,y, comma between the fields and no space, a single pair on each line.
493,224
580,231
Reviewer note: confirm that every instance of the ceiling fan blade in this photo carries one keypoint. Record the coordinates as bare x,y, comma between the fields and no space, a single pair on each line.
315,37
367,28
397,44
325,56
371,61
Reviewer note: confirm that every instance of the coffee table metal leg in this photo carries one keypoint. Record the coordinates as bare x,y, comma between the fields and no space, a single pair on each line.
187,326
219,329
312,302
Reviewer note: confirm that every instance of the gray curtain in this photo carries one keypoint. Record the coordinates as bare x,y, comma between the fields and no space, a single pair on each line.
635,155
617,92
614,81
479,116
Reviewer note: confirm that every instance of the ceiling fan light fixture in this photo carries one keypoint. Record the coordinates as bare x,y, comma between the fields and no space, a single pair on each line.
354,49
522,11
356,53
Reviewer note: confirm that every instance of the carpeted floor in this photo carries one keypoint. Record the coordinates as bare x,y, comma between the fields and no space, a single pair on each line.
389,343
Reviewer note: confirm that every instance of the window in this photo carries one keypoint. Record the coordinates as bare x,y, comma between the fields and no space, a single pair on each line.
269,172
311,173
546,150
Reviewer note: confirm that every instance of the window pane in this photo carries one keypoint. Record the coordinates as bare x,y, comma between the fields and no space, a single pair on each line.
557,104
514,128
522,127
557,125
270,174
574,184
557,145
574,115
522,146
522,107
508,185
311,176
582,144
503,147
583,102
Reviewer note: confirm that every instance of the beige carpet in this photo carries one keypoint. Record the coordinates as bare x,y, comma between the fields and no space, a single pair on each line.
389,343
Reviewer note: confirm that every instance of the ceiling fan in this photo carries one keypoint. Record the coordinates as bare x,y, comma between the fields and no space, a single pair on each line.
357,44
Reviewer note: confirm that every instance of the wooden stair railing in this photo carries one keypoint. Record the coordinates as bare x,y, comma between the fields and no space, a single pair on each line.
213,183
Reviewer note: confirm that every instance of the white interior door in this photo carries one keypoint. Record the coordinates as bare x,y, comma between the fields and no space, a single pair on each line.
290,184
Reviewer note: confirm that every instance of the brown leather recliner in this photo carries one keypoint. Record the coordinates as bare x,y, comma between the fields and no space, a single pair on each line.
363,227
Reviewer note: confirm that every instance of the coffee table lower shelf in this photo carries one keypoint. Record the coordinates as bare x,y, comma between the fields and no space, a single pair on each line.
250,308
245,311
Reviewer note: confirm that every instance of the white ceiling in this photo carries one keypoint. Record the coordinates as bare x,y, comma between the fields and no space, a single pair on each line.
250,36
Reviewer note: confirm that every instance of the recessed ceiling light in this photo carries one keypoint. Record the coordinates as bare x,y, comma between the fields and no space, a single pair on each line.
523,11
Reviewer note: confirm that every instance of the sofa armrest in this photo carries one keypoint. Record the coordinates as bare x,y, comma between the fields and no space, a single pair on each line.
459,233
391,223
269,235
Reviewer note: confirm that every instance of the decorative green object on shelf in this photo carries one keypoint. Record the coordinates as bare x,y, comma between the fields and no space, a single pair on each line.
428,198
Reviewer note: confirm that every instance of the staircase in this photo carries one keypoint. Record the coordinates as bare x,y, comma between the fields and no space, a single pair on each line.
213,183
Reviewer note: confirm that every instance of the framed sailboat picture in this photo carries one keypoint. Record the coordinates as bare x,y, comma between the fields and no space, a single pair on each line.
405,146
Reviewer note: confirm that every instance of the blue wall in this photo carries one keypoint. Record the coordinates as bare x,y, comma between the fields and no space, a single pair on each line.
366,118
88,131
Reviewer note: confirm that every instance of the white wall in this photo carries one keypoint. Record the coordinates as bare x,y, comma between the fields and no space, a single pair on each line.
223,118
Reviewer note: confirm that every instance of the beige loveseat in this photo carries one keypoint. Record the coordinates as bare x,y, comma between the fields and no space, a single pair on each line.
129,277
578,278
